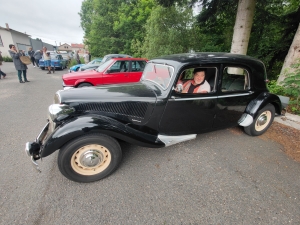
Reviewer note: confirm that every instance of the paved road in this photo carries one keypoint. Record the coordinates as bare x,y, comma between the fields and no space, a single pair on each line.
223,177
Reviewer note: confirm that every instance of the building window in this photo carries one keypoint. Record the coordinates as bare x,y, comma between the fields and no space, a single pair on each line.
1,43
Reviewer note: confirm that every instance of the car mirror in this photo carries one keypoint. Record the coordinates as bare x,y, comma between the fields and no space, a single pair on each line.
108,71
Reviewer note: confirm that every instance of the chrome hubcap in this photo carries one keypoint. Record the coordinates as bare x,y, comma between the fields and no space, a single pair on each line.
263,120
91,158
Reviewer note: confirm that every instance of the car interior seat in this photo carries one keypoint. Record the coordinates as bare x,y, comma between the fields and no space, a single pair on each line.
210,77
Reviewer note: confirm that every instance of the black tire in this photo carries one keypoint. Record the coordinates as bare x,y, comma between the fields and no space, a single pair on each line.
77,68
43,68
102,153
84,85
262,121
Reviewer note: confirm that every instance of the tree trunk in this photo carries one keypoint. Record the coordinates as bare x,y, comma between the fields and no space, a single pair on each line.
293,54
242,27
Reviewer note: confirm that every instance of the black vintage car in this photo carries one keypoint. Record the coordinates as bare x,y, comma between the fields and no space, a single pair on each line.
86,124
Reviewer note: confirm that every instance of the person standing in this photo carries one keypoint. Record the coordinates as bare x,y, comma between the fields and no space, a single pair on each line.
1,60
37,56
31,53
20,67
77,57
47,60
90,56
86,57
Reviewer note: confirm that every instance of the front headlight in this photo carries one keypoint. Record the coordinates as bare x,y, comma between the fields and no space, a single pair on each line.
59,112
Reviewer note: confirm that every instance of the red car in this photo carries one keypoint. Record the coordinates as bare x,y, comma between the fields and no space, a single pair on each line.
114,71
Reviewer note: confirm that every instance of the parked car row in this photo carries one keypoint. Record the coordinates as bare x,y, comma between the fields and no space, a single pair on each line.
57,62
86,124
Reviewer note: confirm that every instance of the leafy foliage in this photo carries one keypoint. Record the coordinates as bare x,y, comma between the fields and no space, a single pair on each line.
292,85
7,59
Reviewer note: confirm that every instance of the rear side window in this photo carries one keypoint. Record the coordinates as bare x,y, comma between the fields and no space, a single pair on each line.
138,66
235,79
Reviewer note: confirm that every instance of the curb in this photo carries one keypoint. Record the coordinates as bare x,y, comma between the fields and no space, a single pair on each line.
289,120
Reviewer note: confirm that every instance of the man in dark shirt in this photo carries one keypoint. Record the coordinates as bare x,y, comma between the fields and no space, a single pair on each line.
31,53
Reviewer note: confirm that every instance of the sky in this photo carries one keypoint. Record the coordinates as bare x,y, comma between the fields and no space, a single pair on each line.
54,21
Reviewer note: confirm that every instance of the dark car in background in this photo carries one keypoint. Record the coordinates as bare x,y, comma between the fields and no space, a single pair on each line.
87,124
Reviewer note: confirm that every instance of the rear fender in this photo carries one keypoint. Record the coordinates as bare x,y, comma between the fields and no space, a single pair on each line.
261,101
94,123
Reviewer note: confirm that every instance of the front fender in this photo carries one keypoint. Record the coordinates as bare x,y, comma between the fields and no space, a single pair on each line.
261,101
94,123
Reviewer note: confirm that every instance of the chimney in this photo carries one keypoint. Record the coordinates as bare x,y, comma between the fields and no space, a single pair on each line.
7,27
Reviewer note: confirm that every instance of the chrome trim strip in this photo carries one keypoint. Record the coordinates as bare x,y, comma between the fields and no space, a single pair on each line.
235,95
172,140
187,99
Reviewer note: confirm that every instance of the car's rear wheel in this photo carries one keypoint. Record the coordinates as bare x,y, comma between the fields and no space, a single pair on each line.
89,158
84,85
262,121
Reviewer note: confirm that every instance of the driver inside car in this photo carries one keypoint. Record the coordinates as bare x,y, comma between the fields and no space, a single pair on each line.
197,85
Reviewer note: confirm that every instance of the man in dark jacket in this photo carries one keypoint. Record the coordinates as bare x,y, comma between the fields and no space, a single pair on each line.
37,56
31,53
20,67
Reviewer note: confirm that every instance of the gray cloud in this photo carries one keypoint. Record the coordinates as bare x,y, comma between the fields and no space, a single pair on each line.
53,20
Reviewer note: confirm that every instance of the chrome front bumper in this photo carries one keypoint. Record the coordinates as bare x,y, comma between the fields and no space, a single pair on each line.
27,150
32,149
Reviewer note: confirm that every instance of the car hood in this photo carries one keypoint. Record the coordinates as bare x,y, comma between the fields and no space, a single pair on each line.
75,66
80,74
88,66
131,103
108,93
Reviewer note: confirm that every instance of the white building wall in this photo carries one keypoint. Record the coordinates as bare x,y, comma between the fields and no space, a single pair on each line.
21,41
6,40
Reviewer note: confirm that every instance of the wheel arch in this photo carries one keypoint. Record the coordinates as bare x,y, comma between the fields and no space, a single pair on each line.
261,101
88,124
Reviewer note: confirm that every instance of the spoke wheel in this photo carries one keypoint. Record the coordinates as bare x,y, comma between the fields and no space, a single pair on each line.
91,159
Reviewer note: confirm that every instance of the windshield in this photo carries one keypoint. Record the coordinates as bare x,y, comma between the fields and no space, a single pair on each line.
103,66
158,74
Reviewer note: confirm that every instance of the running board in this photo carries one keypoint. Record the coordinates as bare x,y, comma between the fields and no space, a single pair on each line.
172,140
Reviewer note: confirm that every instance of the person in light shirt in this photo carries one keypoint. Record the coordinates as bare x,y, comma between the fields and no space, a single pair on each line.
198,84
47,60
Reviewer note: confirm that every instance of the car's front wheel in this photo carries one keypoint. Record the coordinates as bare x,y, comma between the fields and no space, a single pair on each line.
89,158
84,85
43,68
262,121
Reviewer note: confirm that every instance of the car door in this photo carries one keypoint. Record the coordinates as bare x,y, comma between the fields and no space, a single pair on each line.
118,72
234,94
136,70
191,113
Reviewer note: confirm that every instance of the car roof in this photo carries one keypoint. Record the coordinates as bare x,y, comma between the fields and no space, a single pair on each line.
207,57
129,59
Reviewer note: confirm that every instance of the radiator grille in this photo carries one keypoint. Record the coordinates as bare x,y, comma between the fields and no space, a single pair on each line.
123,108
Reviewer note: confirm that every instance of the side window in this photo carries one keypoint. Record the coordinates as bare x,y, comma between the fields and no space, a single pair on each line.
197,80
235,79
119,66
138,66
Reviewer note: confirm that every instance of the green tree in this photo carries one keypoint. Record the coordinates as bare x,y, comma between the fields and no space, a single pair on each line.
168,31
